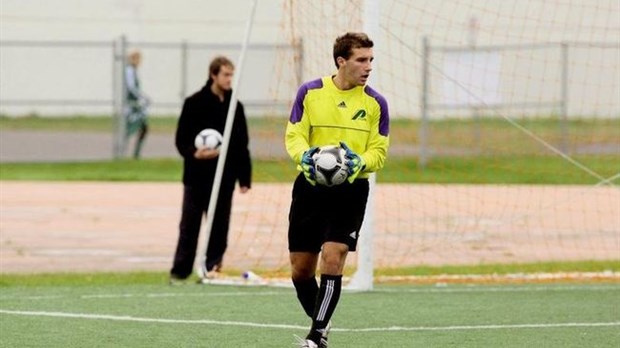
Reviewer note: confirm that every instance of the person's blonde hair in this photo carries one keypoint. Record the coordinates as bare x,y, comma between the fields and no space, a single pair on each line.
134,57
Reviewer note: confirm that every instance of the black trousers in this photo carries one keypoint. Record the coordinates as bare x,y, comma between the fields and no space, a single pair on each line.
144,129
195,205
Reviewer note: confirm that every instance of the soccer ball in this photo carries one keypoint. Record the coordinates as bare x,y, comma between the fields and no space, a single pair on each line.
208,139
330,166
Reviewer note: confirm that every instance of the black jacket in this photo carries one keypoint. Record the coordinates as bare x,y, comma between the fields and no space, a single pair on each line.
203,110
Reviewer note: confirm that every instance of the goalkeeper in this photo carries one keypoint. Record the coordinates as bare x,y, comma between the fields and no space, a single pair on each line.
337,109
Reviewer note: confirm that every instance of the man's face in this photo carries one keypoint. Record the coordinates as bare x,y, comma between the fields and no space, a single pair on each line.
223,80
135,59
357,68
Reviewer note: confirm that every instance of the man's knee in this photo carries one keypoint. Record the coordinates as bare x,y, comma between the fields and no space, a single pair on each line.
303,265
333,257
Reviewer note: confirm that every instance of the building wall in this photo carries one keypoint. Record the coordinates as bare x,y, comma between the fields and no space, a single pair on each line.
86,73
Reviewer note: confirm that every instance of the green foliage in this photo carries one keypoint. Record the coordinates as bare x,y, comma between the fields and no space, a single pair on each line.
487,269
60,123
79,123
81,279
501,170
473,170
121,170
150,278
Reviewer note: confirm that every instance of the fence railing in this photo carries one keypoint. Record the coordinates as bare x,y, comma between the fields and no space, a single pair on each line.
60,77
509,81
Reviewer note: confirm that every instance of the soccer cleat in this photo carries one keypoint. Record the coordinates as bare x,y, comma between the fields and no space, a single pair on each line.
176,280
205,276
209,277
324,334
304,343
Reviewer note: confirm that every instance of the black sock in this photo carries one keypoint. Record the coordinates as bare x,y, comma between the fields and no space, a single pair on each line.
326,302
307,290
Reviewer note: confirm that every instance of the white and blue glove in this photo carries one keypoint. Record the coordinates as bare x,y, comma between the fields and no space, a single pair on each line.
355,163
307,165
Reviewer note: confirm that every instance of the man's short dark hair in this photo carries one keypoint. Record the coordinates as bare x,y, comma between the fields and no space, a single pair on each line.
217,63
344,45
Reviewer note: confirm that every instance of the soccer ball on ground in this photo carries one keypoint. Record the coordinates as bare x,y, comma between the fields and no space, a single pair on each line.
330,165
208,139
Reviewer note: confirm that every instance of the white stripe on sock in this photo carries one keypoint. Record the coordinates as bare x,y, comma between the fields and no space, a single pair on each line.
329,292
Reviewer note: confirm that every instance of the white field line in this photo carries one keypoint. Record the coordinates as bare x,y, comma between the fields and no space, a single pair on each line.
148,320
299,327
438,289
481,327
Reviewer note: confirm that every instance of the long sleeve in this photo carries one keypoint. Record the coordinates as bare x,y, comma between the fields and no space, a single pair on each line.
132,84
378,140
184,140
298,128
243,158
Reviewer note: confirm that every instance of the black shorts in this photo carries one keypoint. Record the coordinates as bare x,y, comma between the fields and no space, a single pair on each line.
322,214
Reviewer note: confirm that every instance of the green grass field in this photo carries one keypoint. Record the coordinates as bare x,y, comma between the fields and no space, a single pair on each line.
481,170
153,314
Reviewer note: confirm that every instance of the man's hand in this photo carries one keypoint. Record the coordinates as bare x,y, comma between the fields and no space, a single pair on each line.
354,162
307,165
206,154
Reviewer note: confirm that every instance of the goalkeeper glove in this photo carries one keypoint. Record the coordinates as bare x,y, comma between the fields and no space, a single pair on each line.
355,163
307,165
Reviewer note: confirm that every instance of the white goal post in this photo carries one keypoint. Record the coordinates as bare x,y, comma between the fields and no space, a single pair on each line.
230,117
363,277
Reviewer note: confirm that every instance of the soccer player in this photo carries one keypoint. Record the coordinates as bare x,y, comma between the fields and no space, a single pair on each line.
136,102
208,108
333,110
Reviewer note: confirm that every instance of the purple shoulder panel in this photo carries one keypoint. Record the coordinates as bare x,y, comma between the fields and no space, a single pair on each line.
384,118
298,107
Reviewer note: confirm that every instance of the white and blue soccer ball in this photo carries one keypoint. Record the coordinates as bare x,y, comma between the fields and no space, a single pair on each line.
208,138
330,165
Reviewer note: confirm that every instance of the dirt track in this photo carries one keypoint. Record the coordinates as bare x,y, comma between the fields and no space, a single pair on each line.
52,226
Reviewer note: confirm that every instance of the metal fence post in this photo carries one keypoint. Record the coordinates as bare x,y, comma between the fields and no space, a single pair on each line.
120,139
298,46
564,142
183,92
423,131
115,100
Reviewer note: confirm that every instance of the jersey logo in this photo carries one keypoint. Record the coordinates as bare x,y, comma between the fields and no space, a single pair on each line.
359,115
353,235
342,104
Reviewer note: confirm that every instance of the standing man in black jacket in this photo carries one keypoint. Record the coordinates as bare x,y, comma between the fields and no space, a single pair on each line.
208,108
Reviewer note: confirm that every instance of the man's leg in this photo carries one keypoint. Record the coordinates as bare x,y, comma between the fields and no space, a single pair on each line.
218,240
140,140
189,228
333,257
303,265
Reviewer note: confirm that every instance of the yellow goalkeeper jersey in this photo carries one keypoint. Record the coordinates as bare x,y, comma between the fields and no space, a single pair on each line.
325,115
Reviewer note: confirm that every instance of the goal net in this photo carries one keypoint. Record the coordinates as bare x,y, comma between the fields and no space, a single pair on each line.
505,132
